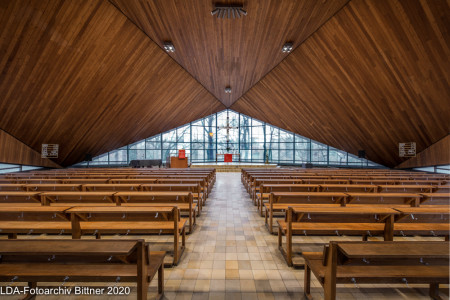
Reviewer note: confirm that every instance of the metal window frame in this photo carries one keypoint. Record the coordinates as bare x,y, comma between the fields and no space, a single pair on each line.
252,159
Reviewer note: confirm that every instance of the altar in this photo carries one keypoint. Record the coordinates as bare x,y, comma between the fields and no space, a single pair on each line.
228,157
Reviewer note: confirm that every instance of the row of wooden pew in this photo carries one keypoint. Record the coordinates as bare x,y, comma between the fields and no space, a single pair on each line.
113,173
184,200
279,202
119,261
97,202
78,221
275,198
366,203
384,263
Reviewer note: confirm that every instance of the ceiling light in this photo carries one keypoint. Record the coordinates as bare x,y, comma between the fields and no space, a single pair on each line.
228,90
168,46
228,11
287,47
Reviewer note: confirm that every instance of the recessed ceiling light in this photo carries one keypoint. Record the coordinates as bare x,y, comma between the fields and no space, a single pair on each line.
228,11
287,47
228,90
168,46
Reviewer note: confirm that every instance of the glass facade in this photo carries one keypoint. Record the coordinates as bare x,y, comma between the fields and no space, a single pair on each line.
442,169
10,168
231,132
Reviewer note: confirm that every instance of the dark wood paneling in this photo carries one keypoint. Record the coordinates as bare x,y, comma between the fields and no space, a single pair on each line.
234,52
436,154
13,151
80,74
376,74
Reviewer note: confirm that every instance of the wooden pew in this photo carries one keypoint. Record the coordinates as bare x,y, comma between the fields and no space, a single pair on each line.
19,197
353,188
378,263
443,188
194,188
280,201
130,220
93,187
423,221
207,180
204,188
36,261
85,181
383,198
265,190
311,220
77,198
325,181
18,187
35,181
33,219
183,200
251,184
435,198
406,188
133,180
256,186
389,181
429,181
60,187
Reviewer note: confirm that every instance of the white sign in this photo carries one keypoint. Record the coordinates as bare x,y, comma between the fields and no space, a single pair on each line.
407,149
49,150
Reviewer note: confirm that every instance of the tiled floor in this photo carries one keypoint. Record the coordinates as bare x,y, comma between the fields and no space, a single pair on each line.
231,255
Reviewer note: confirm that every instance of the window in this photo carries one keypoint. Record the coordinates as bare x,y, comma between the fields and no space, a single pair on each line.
230,132
10,168
442,169
337,157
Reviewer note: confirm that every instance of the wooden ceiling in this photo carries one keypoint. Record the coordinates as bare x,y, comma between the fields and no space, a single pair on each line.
228,52
376,74
91,75
80,74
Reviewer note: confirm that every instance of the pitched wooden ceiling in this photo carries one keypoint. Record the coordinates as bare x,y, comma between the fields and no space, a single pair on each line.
229,52
91,75
376,74
80,74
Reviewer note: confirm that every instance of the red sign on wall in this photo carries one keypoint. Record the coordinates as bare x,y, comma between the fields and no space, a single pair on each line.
228,157
181,153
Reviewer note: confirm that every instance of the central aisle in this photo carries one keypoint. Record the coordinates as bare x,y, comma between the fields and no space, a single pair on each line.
231,255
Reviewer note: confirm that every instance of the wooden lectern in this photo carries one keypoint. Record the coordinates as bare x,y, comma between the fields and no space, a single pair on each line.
179,162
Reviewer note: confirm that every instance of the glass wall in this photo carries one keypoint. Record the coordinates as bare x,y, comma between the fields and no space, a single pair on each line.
10,168
231,132
443,169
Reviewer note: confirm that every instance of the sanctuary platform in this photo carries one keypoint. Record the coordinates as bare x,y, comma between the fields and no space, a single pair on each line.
232,166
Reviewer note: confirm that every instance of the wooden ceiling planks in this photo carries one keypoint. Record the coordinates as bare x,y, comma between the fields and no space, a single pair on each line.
375,75
80,74
228,52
